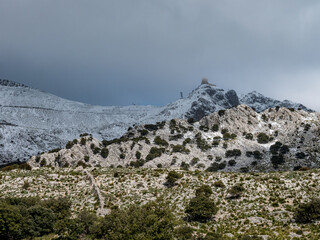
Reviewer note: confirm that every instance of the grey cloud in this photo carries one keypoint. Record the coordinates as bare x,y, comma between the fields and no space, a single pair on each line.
116,52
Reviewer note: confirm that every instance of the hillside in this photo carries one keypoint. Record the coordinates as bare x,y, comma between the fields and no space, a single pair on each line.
33,121
236,139
264,210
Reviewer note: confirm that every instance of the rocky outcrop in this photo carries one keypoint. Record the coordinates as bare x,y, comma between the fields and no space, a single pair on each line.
260,103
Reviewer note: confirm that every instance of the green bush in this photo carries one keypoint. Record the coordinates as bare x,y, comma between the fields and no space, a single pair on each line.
69,145
194,161
219,184
138,154
249,136
263,138
137,164
180,149
159,141
214,167
172,178
308,212
215,128
233,153
154,153
204,190
236,191
184,166
201,208
232,163
104,152
151,221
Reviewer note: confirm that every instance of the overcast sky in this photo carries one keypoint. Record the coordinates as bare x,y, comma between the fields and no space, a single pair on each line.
119,52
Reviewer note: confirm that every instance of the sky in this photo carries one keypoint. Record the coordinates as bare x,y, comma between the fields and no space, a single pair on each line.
122,52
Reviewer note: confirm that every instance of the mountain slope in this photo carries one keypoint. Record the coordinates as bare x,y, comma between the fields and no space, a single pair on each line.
237,139
260,103
33,121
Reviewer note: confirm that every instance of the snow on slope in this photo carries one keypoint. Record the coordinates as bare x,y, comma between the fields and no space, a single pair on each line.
260,103
33,121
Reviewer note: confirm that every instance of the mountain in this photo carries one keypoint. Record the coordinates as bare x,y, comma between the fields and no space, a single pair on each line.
33,121
237,139
260,103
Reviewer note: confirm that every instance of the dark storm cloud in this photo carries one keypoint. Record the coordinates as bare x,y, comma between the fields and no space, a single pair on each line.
118,52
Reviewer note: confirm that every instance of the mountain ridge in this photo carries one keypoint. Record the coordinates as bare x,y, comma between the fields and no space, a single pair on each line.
39,121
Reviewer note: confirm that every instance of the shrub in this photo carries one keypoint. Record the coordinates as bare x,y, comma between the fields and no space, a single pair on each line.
104,152
175,137
96,150
159,141
249,136
236,191
83,141
194,161
183,233
190,120
232,163
263,138
143,132
122,156
214,167
201,208
233,153
180,149
186,141
219,184
257,155
137,164
154,153
86,158
201,143
204,190
308,212
277,160
221,112
43,162
184,166
153,220
215,128
151,127
69,145
215,143
172,178
301,155
138,154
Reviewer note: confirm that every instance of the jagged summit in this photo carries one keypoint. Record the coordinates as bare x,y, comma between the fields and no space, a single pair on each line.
202,101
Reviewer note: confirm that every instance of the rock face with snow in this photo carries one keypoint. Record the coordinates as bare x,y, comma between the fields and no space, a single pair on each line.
33,121
260,103
237,139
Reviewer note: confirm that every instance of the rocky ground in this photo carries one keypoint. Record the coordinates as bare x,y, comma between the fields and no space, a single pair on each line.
265,207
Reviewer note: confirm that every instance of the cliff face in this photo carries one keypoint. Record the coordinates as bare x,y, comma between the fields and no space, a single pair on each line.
237,139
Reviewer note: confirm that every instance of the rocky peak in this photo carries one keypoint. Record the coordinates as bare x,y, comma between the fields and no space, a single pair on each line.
207,98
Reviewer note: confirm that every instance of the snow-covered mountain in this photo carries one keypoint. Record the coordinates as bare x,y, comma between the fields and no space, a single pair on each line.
260,103
33,121
236,139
